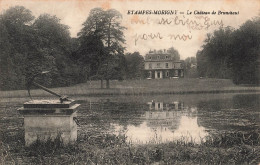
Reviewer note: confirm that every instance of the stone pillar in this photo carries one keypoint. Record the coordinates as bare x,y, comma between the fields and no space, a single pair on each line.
48,119
156,106
176,103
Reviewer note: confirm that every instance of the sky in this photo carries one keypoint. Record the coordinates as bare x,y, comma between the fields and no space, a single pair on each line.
185,28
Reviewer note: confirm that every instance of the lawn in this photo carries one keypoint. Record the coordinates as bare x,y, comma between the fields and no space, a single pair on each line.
139,87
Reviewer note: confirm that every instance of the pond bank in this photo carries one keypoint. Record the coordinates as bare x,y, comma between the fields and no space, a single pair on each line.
228,148
142,87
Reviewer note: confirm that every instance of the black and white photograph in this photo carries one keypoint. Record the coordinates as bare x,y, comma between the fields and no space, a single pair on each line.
130,82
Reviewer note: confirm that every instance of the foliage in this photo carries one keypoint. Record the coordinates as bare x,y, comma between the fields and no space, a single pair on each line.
17,44
29,46
229,53
245,57
175,54
101,40
55,46
212,59
135,65
190,65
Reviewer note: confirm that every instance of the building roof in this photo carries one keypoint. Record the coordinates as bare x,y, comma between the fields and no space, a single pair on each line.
159,56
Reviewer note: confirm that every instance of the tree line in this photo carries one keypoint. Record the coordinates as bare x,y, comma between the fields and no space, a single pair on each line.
232,53
30,45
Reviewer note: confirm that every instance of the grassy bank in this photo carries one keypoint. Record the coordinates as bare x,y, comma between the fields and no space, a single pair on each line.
228,148
142,87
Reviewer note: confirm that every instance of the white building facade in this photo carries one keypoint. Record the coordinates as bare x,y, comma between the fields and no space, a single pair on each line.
160,65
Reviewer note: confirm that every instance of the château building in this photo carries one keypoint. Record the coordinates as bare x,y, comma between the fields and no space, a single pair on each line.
161,64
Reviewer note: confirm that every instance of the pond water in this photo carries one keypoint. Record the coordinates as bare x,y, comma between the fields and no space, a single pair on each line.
154,118
164,118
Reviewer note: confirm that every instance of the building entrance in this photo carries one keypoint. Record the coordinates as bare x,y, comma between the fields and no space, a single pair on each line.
158,74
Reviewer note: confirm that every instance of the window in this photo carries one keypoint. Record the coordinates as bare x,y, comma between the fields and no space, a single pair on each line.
167,73
166,57
158,65
176,73
150,57
166,65
158,57
150,74
150,66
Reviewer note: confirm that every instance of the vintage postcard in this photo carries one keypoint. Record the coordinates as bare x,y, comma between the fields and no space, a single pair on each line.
129,82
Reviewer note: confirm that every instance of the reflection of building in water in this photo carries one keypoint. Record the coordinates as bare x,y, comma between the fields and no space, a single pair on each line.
190,130
172,119
164,122
45,119
163,116
165,106
190,111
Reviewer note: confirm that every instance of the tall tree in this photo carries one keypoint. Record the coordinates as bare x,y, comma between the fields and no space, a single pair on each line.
104,26
244,60
5,59
175,54
55,46
190,64
17,42
212,59
135,65
229,53
29,46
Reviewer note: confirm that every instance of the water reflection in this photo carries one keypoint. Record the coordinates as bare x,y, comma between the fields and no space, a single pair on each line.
164,122
165,118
